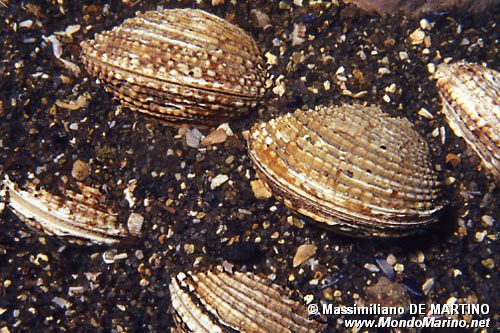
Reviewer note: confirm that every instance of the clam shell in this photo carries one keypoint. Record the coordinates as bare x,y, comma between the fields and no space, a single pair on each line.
179,65
80,218
220,302
471,102
353,168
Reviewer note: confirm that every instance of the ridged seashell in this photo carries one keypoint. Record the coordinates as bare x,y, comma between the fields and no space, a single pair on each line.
221,302
352,167
80,218
179,65
471,103
415,8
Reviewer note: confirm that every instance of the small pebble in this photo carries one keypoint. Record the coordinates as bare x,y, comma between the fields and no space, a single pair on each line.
425,113
426,25
139,254
384,70
262,19
279,86
308,298
129,192
450,180
216,137
372,268
420,257
298,34
486,219
431,68
193,138
75,290
314,282
328,294
189,248
134,223
387,293
81,170
442,132
387,269
480,235
399,268
228,267
451,300
283,5
271,58
218,181
427,43
110,256
391,89
428,286
403,55
304,252
362,55
260,190
226,128
488,263
391,259
25,24
417,37
453,159
61,302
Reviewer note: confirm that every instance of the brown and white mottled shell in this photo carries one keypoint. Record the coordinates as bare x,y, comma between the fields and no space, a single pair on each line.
353,168
179,65
244,302
471,102
81,218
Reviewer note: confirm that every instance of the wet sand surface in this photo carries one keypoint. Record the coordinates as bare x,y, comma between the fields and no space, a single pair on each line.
346,56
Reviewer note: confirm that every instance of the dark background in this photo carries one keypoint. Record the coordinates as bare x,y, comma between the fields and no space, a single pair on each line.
228,223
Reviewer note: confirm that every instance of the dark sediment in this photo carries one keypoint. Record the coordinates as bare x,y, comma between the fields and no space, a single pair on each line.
188,225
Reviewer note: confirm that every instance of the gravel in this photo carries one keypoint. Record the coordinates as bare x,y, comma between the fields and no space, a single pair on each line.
189,224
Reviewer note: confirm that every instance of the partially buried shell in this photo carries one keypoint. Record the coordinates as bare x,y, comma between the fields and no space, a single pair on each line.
80,218
243,302
352,167
179,65
470,95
